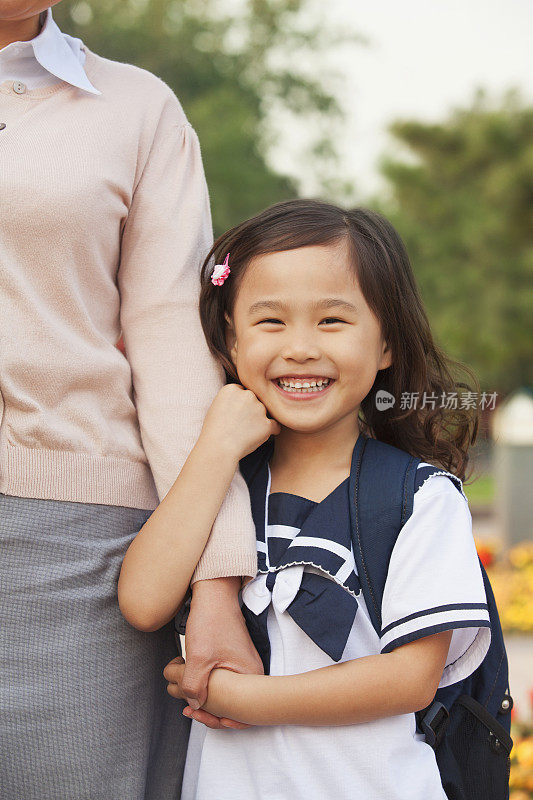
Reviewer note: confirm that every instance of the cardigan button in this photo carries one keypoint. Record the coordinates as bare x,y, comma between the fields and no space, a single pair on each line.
2,126
19,87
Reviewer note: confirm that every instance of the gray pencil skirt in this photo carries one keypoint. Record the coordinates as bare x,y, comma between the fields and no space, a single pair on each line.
84,711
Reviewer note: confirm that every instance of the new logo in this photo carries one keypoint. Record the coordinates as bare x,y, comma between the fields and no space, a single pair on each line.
384,400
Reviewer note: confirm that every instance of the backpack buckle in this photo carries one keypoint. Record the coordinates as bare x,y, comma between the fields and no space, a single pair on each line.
434,723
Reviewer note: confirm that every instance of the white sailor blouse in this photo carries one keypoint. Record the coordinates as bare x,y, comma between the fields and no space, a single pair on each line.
305,610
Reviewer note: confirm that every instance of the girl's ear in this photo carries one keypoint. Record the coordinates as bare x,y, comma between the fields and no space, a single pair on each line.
386,357
231,338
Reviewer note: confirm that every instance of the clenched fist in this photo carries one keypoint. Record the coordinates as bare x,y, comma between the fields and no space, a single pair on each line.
237,417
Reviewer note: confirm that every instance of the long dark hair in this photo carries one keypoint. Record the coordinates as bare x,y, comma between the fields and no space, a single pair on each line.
420,369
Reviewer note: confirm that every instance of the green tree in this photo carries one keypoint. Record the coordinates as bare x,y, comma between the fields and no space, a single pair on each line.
229,73
465,210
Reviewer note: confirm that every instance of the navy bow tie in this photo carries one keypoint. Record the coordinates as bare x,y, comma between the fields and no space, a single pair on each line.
322,603
321,608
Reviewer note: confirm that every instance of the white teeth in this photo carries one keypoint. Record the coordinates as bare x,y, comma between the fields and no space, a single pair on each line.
303,386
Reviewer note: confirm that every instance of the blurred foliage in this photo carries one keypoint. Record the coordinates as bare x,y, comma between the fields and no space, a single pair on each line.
481,491
521,778
231,72
511,577
464,206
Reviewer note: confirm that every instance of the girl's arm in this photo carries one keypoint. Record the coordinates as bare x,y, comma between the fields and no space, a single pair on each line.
360,690
159,563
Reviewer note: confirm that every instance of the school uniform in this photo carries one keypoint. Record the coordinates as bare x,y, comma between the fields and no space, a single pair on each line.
305,610
104,222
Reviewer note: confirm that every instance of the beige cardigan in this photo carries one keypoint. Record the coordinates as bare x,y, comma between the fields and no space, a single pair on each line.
104,223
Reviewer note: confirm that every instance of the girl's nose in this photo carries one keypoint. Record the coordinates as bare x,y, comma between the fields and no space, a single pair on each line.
300,348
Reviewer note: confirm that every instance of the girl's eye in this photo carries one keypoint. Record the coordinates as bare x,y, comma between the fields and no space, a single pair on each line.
269,320
332,320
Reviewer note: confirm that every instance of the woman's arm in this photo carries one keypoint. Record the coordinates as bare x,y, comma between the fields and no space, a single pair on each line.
360,690
159,563
166,235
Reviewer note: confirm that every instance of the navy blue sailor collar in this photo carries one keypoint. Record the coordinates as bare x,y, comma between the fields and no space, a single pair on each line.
337,507
323,606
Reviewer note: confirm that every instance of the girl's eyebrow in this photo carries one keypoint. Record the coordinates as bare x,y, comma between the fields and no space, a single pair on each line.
326,303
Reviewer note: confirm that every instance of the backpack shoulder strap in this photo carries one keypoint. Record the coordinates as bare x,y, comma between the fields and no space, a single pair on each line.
382,486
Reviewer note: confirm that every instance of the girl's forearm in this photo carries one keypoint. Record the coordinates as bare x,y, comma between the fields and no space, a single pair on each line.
160,561
377,685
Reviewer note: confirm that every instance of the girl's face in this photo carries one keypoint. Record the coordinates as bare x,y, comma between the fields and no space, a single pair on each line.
301,318
17,10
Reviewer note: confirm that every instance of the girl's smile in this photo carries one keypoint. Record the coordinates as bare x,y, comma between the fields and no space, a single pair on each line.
303,387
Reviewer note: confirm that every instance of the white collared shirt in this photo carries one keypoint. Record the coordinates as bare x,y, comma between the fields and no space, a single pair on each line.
47,59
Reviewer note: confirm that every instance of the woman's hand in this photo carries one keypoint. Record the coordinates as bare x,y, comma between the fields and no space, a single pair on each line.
215,636
238,421
173,673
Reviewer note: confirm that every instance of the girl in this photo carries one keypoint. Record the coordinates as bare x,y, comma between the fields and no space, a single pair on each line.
314,311
104,215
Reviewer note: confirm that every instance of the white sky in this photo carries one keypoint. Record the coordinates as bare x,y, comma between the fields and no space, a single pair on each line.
424,58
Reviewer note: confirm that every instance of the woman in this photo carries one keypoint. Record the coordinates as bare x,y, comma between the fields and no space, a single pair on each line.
104,221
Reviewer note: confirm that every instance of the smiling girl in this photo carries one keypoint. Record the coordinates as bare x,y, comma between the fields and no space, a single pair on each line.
318,312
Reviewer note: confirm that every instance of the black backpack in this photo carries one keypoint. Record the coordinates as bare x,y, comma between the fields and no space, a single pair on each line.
468,723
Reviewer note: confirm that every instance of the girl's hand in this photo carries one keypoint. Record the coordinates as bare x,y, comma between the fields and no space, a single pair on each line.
173,673
238,419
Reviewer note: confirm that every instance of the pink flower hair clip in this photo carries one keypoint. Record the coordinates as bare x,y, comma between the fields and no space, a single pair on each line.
220,272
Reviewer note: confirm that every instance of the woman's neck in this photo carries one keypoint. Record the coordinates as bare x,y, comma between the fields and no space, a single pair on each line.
19,30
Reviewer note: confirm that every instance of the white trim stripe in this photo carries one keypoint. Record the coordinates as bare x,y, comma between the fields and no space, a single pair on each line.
323,544
433,610
282,531
265,531
424,621
346,570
